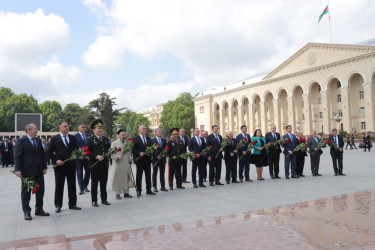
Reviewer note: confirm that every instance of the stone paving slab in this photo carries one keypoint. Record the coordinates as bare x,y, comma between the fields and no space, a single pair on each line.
178,206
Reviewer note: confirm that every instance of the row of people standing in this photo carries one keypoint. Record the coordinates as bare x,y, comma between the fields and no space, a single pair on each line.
7,152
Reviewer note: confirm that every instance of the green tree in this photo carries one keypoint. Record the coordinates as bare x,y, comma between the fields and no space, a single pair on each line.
103,108
51,111
74,114
178,114
130,120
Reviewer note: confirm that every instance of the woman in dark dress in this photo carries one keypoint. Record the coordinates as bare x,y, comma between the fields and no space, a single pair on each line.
259,155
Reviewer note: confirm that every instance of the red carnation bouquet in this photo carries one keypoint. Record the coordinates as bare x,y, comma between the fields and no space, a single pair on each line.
331,144
206,151
249,148
282,141
301,147
321,144
224,143
110,152
268,145
241,144
77,154
29,183
189,155
163,152
128,146
149,150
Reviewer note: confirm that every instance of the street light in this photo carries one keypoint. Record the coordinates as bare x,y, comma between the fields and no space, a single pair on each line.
337,119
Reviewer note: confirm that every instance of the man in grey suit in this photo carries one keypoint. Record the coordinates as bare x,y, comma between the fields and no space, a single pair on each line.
312,143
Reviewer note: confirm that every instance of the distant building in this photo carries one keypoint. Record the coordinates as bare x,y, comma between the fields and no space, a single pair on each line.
322,86
153,114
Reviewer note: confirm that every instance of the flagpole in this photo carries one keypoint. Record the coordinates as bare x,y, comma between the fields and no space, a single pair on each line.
329,18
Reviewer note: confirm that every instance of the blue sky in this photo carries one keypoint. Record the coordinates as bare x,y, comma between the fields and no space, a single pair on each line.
148,52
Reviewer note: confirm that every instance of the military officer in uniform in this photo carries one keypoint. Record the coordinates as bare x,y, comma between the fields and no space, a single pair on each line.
98,145
175,150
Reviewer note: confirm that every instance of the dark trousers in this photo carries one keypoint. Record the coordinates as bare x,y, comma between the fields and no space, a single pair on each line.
290,161
25,195
337,160
244,164
161,166
197,165
315,160
231,169
204,168
62,173
367,145
140,169
184,169
300,163
215,170
348,144
6,158
353,144
273,162
83,182
175,170
99,174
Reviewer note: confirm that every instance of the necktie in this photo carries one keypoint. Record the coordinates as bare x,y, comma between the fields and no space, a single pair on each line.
182,139
336,139
291,137
217,138
144,140
274,136
84,137
159,142
6,146
34,143
316,139
65,141
198,140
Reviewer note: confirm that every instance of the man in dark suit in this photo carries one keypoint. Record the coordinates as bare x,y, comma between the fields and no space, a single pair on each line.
83,182
204,135
6,152
60,148
142,141
184,140
274,152
300,156
337,155
13,142
352,141
162,160
230,157
288,150
244,163
312,144
98,145
215,139
30,162
196,144
367,141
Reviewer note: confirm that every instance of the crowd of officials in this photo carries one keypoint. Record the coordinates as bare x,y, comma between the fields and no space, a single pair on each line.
30,155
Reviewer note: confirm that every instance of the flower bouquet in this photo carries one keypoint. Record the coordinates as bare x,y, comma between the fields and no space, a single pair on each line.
241,144
224,143
29,183
128,146
190,155
110,152
301,147
331,144
77,154
321,144
282,141
163,152
268,145
206,151
249,148
149,151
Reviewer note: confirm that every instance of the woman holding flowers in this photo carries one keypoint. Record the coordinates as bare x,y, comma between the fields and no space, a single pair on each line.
259,154
121,175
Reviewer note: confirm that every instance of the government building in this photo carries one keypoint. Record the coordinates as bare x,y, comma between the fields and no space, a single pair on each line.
322,86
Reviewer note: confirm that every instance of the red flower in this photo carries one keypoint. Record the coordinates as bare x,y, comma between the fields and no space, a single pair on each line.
302,140
228,136
195,155
255,142
210,147
119,149
37,186
328,142
34,191
305,144
288,141
85,148
131,139
271,144
87,153
157,144
245,139
167,147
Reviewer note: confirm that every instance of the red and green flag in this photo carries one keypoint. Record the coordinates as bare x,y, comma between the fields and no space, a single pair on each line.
325,11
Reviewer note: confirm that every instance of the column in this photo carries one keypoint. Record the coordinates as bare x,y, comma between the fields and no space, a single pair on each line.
369,90
222,122
263,116
251,125
307,111
326,113
276,114
291,117
230,118
346,114
239,117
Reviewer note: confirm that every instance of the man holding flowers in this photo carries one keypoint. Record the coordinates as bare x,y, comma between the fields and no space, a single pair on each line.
215,140
196,144
290,161
336,144
158,160
315,144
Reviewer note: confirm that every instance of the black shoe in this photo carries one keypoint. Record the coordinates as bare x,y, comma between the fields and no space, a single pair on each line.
272,177
212,184
95,204
87,190
118,197
204,180
301,175
28,216
106,203
126,195
318,175
81,192
74,207
58,210
181,187
164,189
342,174
219,183
150,192
235,181
295,176
228,182
170,188
277,177
41,212
202,185
195,186
335,174
314,175
185,181
287,178
139,194
156,190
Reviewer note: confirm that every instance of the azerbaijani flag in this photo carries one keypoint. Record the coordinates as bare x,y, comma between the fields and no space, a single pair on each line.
325,11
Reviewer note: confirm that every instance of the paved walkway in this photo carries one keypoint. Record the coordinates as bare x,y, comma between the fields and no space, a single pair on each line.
179,206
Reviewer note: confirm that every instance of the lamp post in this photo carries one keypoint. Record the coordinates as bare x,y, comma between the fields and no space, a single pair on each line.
337,119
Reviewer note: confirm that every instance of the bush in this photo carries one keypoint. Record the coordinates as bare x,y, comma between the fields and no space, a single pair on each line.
343,133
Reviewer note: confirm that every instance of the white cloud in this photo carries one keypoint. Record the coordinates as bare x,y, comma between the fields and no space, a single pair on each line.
160,77
29,44
224,40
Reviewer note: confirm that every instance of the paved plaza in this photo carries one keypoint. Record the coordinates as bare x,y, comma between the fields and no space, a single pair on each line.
309,213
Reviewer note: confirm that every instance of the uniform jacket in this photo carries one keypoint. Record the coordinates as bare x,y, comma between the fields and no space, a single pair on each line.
98,147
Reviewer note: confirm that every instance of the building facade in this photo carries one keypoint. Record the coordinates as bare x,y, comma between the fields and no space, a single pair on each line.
153,114
322,86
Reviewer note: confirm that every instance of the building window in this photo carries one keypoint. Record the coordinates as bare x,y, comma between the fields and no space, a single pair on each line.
319,88
244,123
319,100
360,81
338,84
362,111
321,115
302,104
234,124
363,125
201,109
218,117
225,115
340,113
234,113
361,95
338,98
303,117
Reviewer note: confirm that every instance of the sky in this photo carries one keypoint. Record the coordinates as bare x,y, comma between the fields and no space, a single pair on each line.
147,52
